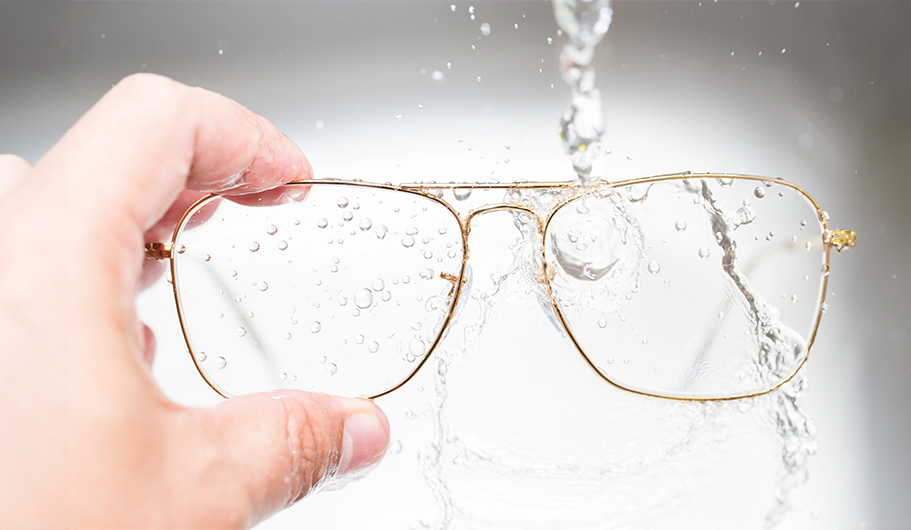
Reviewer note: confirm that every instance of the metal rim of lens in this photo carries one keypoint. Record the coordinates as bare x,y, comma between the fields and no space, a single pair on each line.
181,224
663,178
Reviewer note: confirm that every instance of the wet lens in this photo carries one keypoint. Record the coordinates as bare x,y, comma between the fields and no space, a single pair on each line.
697,287
343,292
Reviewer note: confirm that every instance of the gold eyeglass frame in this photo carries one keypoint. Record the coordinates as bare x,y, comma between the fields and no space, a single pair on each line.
832,238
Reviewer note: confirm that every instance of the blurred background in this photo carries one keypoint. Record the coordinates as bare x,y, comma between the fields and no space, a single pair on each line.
815,92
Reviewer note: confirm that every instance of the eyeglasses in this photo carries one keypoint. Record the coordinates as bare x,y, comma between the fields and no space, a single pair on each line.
691,287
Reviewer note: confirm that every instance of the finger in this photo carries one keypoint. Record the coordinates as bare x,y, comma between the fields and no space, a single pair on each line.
131,154
12,170
283,445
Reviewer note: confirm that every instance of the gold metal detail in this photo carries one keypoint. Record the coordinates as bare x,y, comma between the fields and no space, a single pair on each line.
833,238
841,238
156,250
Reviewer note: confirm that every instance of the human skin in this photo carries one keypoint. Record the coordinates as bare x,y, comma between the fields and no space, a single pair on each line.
88,440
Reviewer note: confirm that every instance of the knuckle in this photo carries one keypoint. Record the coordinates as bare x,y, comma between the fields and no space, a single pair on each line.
310,449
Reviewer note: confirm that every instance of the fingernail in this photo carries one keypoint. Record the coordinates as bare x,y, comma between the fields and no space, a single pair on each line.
364,443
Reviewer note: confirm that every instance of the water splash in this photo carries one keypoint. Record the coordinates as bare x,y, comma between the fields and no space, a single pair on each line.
585,22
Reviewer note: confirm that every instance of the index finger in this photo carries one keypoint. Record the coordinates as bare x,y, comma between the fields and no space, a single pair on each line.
149,137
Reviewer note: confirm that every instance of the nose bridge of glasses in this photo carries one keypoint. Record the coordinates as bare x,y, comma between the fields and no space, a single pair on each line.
501,207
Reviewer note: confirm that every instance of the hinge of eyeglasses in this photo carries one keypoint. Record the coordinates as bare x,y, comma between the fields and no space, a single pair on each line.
156,250
452,278
841,238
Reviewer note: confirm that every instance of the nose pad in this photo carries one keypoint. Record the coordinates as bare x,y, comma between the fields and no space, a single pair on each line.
457,309
548,309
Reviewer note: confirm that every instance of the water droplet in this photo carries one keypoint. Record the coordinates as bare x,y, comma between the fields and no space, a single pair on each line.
809,245
406,279
416,348
452,7
333,268
315,326
407,241
221,362
378,285
288,336
254,246
680,225
824,307
282,245
363,298
331,368
479,80
793,298
461,193
602,323
263,286
322,223
373,347
704,252
485,29
347,216
241,332
426,274
654,267
550,40
342,202
342,301
610,360
386,296
381,231
271,230
207,257
428,254
201,356
759,192
726,182
398,117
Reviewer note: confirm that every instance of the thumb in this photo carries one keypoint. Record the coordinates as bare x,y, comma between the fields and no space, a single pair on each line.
276,448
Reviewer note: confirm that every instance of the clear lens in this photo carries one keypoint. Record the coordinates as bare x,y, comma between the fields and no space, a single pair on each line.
343,292
696,287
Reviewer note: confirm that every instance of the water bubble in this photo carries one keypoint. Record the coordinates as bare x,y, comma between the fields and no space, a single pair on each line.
315,326
363,298
416,347
373,347
241,331
322,223
263,286
254,246
271,230
221,362
654,267
342,202
704,252
680,225
407,241
331,368
759,192
485,29
426,274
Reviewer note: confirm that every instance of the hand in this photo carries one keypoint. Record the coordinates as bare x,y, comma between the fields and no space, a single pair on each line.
86,437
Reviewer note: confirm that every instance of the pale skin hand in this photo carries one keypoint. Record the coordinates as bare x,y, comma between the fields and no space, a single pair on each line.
87,440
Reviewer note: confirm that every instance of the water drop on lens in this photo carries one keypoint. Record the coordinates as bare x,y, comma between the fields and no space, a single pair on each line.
342,202
386,296
263,286
428,254
759,192
824,307
704,252
271,230
201,356
378,285
602,323
680,225
347,216
254,246
373,348
485,29
381,231
322,223
241,332
181,249
315,326
287,336
331,368
365,224
654,267
282,245
207,257
426,274
726,182
359,339
461,193
221,362
793,298
407,241
416,348
363,298
342,301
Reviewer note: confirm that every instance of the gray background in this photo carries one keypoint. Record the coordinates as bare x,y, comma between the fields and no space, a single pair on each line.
685,88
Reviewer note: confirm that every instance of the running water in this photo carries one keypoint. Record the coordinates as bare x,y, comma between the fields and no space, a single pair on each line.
584,22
